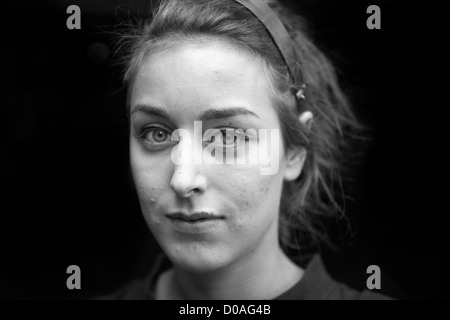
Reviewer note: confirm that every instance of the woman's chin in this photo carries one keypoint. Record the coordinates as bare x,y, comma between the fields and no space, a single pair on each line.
199,260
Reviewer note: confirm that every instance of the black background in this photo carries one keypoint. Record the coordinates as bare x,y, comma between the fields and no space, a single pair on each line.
67,197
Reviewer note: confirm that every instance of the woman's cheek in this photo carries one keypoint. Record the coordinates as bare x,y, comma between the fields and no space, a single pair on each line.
150,171
249,189
148,194
149,181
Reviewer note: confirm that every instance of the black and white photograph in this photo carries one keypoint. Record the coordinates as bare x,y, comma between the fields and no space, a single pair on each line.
224,150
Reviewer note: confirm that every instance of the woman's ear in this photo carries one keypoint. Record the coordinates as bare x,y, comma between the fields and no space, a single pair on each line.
295,161
296,158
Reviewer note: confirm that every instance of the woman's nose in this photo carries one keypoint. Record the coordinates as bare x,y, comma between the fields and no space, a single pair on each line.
187,180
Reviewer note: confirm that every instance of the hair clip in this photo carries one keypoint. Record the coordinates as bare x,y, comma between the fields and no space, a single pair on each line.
301,92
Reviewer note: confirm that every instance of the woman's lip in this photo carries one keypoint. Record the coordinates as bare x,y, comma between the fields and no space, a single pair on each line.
194,217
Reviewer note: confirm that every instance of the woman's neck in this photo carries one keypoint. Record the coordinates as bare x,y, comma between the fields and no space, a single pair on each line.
256,276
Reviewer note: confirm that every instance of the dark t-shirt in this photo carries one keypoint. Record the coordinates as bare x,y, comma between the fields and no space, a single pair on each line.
316,284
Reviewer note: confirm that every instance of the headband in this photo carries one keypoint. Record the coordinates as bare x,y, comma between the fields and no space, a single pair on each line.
279,35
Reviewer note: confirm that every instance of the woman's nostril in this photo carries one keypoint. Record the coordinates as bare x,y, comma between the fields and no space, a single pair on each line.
188,181
190,193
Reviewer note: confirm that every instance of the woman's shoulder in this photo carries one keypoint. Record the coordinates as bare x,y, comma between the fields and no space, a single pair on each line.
317,284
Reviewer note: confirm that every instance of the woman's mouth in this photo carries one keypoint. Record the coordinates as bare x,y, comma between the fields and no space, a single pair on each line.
195,223
194,217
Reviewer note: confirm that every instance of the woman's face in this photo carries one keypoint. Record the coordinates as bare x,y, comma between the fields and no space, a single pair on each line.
204,216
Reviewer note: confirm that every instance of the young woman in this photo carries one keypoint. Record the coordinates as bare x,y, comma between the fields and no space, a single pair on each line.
211,83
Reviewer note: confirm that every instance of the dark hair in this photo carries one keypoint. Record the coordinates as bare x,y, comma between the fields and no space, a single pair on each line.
312,197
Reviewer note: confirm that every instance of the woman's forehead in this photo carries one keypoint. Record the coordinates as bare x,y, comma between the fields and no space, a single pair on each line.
215,65
194,77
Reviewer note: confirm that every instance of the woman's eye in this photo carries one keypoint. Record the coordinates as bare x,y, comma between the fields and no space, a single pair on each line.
155,135
160,135
229,137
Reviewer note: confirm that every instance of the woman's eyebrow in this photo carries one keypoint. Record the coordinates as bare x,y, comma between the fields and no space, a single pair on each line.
151,110
210,114
214,114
